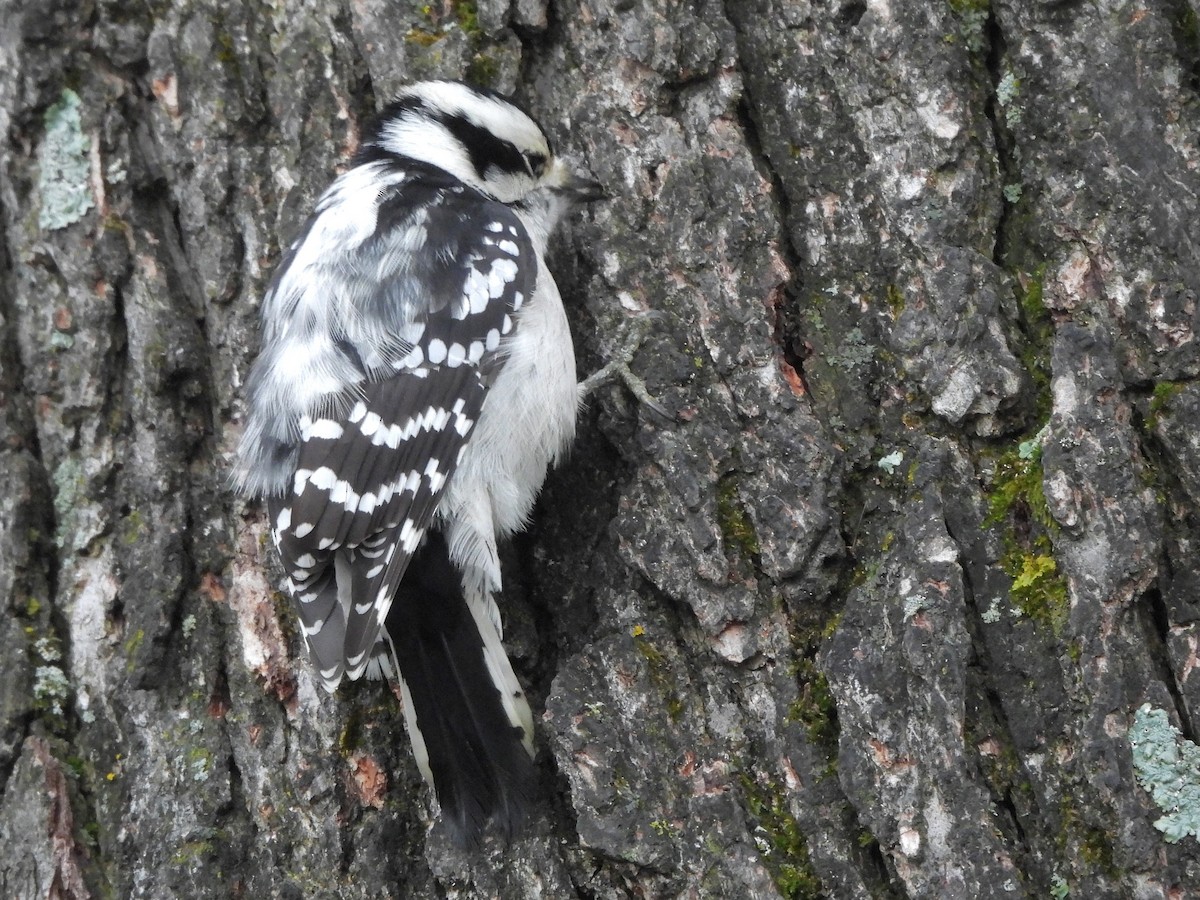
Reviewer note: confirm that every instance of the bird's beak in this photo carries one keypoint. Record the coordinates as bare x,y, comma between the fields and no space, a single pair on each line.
575,188
583,190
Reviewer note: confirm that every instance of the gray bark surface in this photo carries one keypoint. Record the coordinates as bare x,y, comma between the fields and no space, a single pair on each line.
903,603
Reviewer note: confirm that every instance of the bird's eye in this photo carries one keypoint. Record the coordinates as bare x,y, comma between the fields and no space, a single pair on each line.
536,163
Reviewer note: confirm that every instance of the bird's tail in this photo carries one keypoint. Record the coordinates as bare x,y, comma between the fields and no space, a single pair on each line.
467,717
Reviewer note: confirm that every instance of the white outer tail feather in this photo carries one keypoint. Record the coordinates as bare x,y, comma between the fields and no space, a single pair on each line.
383,665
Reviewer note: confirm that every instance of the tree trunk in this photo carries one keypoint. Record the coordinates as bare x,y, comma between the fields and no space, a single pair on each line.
903,603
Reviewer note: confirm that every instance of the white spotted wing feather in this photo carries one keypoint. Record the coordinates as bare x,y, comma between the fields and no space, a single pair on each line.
354,472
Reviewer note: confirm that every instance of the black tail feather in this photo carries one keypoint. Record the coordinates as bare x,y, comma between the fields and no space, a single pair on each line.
480,768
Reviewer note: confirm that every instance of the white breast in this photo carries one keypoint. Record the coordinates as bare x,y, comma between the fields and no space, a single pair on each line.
528,420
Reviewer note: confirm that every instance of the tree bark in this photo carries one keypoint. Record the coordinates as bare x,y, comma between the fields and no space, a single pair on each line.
902,603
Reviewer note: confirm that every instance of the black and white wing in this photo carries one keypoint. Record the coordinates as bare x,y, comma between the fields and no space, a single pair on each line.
372,463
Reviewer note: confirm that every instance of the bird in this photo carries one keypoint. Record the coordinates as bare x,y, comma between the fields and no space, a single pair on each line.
415,381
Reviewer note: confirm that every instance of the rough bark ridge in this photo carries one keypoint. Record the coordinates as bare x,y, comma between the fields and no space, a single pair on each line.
905,604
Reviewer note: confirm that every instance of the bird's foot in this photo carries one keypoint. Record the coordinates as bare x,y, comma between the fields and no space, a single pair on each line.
630,339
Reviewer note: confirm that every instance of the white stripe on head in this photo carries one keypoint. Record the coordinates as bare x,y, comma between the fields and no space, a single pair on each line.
419,133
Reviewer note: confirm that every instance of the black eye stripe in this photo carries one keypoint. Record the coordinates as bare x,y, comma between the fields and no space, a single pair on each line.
489,155
484,148
537,163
